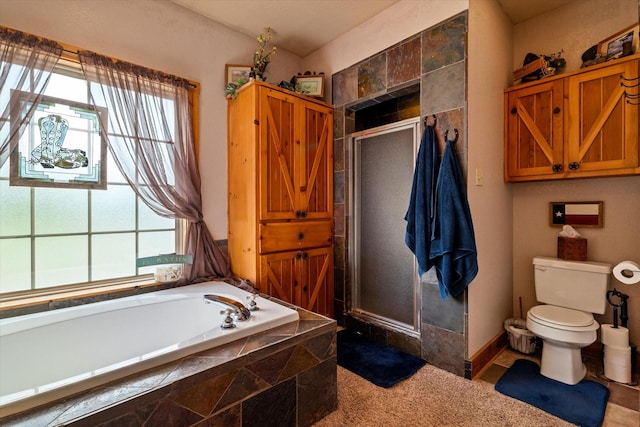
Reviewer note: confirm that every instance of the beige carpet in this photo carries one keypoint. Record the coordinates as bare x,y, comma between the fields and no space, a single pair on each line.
432,397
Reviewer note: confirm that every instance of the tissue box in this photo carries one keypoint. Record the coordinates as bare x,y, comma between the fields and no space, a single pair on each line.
572,249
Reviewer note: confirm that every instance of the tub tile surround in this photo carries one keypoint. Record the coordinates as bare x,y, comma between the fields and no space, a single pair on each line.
284,376
433,63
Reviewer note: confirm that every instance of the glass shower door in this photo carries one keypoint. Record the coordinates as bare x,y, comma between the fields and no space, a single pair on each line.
384,273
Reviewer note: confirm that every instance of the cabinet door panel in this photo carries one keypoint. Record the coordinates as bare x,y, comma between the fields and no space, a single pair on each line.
316,284
604,126
316,162
303,278
279,275
534,138
278,151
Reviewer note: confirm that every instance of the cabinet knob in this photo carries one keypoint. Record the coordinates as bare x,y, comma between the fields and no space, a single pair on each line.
574,166
556,168
514,110
300,235
556,110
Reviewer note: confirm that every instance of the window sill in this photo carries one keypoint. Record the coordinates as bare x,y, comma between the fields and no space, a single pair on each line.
11,306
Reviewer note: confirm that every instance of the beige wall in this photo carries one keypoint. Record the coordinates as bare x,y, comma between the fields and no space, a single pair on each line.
575,28
161,35
489,69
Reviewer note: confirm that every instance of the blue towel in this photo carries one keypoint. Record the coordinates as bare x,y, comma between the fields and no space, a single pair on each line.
422,202
453,245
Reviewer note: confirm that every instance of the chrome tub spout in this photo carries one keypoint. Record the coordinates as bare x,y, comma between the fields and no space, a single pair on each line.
241,312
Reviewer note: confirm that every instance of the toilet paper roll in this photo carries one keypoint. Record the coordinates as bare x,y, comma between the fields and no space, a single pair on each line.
615,337
619,355
619,373
627,272
617,364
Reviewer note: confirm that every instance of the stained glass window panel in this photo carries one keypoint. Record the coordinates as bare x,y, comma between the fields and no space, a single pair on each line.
61,260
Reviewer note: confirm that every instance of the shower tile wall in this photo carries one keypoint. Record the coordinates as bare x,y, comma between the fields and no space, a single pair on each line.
429,66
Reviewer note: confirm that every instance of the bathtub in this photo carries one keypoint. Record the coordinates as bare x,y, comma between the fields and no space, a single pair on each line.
50,355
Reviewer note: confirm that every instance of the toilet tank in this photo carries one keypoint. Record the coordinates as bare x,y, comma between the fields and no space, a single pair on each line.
580,285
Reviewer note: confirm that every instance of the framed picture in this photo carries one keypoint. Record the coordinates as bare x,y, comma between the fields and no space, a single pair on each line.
310,85
62,147
237,71
583,214
614,46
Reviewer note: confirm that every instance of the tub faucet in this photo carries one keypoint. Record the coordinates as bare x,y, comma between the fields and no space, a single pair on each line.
240,311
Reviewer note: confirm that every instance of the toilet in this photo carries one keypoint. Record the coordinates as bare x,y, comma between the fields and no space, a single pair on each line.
569,293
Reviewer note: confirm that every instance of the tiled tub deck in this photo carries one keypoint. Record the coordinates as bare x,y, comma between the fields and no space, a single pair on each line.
285,376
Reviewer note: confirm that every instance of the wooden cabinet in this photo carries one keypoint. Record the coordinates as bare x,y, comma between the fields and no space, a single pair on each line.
280,161
583,124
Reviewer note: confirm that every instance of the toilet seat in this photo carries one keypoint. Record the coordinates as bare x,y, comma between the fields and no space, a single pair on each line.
562,318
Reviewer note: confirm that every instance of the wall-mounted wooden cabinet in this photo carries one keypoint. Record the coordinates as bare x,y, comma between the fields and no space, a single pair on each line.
582,124
280,160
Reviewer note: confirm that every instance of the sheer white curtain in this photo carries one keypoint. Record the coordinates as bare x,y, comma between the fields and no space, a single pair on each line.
26,63
150,137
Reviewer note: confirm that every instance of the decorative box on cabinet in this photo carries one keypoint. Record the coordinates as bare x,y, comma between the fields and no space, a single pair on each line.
280,174
582,124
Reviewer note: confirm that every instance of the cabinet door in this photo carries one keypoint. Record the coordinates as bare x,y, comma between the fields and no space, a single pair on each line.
279,148
303,278
315,283
279,275
534,135
315,163
296,158
603,126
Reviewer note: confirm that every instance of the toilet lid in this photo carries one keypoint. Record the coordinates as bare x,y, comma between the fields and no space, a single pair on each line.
561,316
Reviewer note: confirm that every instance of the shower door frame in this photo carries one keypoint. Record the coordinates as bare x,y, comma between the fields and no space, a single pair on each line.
355,139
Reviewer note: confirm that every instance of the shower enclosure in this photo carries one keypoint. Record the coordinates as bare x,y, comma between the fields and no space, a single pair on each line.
385,284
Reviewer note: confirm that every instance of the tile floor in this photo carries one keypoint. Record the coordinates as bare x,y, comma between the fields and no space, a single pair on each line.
623,407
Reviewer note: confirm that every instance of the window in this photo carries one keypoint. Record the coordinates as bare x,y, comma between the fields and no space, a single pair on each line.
57,237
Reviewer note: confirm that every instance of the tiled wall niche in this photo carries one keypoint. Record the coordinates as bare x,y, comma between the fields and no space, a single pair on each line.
434,62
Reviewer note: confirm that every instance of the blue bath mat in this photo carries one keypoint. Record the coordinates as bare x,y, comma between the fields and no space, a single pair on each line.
582,404
380,364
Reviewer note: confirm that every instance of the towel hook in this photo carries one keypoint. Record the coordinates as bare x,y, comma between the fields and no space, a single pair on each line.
435,120
446,134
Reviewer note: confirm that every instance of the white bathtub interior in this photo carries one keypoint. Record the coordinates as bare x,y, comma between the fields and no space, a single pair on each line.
84,346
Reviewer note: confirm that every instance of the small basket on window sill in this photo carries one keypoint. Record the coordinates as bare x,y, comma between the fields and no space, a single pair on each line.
168,273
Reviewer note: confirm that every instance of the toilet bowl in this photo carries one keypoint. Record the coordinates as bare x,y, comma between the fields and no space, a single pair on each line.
569,292
564,332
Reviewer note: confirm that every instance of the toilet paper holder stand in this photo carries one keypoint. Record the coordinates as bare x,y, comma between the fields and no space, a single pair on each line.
622,304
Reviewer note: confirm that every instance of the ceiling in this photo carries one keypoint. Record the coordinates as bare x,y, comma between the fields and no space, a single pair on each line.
303,26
